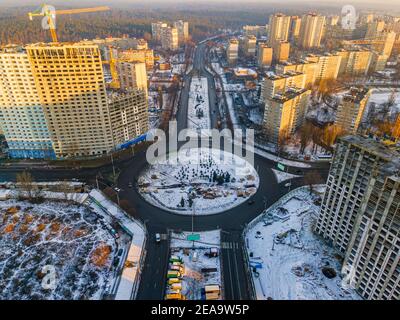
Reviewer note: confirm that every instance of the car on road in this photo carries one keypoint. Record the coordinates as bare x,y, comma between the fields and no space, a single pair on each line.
250,202
287,185
158,237
130,185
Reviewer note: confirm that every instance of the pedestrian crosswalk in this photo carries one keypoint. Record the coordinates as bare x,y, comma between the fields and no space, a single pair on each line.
229,245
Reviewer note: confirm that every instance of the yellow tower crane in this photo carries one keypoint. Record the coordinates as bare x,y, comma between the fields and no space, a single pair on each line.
50,14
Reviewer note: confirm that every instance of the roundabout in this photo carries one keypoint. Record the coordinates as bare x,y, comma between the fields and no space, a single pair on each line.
198,181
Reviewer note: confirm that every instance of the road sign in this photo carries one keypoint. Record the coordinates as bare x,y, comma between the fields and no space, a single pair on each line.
193,237
281,166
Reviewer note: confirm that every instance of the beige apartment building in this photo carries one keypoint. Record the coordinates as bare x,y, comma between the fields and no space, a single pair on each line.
132,75
169,38
311,31
294,30
183,31
264,55
156,29
328,66
279,25
308,68
351,110
249,46
70,83
374,29
232,51
284,114
355,62
278,84
281,51
138,55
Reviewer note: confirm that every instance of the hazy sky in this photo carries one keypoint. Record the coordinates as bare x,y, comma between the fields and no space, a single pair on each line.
371,3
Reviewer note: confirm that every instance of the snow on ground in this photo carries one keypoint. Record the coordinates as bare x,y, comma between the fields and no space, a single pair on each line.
195,277
213,179
258,150
198,106
132,263
283,176
69,237
291,255
382,96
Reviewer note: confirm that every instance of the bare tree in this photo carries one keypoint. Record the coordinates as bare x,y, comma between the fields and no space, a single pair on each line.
26,183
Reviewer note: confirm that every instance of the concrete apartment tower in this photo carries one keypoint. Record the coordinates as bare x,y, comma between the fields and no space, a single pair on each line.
232,51
360,215
132,75
351,109
183,31
169,38
328,66
22,117
279,26
264,55
286,102
70,83
311,31
156,29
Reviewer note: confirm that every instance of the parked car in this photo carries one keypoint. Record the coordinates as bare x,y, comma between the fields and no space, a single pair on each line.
158,237
130,185
250,202
287,185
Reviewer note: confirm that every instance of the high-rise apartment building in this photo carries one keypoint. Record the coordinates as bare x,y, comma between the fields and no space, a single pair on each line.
54,103
70,83
132,75
183,30
309,69
374,29
128,114
232,51
274,85
22,117
279,26
284,114
360,215
328,66
281,51
264,55
355,62
138,55
311,31
294,30
372,262
351,109
249,46
169,38
355,160
156,29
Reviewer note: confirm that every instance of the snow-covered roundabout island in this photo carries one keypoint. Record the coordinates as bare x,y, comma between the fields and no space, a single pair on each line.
198,181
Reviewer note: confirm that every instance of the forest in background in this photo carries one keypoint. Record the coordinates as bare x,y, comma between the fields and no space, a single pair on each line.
15,26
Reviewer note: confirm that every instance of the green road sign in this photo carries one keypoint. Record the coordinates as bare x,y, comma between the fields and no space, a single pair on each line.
281,166
193,237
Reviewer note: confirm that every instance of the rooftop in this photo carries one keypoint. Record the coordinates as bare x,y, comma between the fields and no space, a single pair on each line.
376,147
355,94
290,94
